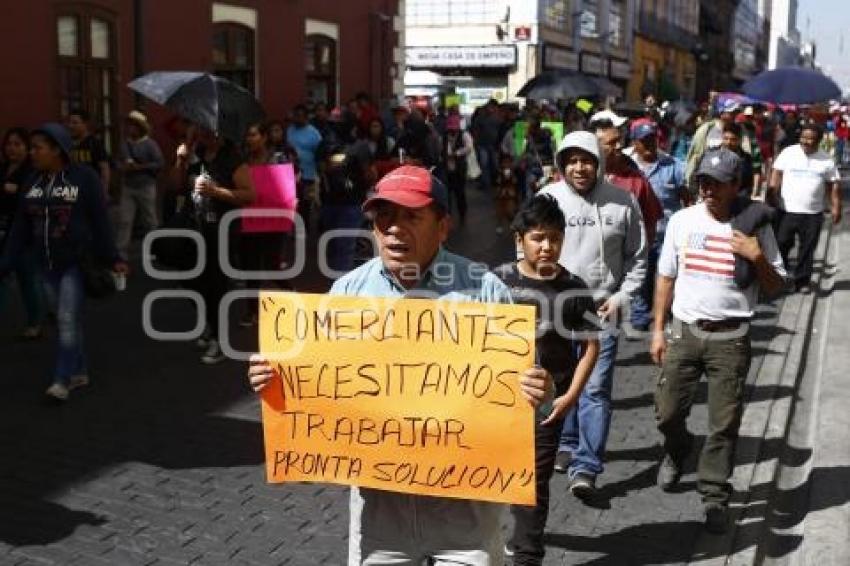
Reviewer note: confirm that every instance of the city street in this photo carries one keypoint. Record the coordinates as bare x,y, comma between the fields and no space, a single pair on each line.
159,460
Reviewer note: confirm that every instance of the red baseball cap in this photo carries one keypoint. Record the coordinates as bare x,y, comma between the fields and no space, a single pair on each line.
410,186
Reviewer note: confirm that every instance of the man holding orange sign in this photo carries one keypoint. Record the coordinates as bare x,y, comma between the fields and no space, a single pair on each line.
409,212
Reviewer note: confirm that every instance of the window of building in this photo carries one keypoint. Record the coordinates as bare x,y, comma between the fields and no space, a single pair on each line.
320,67
589,19
233,53
454,12
556,14
87,67
661,11
616,24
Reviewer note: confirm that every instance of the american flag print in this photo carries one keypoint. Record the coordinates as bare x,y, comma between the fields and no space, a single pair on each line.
708,255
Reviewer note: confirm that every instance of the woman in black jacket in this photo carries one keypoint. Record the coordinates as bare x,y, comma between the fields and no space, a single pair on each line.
62,216
15,171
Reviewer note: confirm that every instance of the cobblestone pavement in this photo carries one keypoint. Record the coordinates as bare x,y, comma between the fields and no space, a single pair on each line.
159,460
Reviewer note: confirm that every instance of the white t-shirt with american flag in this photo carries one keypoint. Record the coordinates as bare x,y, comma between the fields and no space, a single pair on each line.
697,252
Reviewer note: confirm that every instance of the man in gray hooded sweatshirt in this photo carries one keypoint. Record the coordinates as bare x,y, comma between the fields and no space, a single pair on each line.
605,245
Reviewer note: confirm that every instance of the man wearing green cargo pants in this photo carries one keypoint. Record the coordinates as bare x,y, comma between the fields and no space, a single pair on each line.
715,257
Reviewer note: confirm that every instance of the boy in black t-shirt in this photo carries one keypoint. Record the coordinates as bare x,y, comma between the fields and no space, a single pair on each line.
88,150
566,345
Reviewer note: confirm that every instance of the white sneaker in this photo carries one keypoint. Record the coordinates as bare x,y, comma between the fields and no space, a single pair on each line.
57,391
213,355
205,339
76,381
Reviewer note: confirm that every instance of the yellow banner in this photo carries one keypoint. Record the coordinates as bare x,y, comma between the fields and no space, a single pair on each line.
409,395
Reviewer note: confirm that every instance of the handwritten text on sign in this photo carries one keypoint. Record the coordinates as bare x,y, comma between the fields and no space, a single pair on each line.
409,395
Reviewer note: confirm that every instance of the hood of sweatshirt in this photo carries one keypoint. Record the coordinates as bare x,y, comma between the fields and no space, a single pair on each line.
586,141
605,242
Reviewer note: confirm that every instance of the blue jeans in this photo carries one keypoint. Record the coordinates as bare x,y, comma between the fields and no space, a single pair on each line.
341,250
586,426
488,161
70,295
30,285
641,314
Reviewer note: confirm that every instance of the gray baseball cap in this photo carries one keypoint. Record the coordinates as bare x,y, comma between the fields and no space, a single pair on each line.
720,164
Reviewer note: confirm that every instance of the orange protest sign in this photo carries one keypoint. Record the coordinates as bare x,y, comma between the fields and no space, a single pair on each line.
409,395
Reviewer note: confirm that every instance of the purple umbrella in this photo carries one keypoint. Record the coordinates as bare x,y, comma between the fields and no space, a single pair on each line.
792,85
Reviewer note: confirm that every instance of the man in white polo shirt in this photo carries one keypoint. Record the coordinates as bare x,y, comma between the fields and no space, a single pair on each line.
801,175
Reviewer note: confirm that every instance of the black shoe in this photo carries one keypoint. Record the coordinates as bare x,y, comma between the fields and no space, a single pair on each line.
562,461
669,473
583,486
716,518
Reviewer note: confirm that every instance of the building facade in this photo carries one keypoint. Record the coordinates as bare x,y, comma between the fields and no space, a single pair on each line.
480,50
746,40
784,36
285,51
665,50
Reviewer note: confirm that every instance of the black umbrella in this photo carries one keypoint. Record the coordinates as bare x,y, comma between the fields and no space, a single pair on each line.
631,109
207,100
792,85
564,85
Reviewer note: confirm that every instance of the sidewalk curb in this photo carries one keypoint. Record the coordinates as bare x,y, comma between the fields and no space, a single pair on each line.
768,420
824,526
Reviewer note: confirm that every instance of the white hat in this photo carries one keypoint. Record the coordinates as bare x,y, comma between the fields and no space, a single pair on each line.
608,115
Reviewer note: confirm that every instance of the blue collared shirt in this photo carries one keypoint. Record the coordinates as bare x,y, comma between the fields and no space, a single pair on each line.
449,277
667,178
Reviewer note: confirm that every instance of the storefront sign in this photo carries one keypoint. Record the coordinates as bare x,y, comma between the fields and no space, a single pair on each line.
466,56
522,33
620,69
559,58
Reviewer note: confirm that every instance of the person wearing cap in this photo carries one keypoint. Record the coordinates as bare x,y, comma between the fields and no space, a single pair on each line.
409,211
801,176
709,136
87,149
709,273
140,163
666,176
605,245
607,118
62,216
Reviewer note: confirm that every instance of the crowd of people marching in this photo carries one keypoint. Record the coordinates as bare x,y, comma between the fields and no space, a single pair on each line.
678,216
